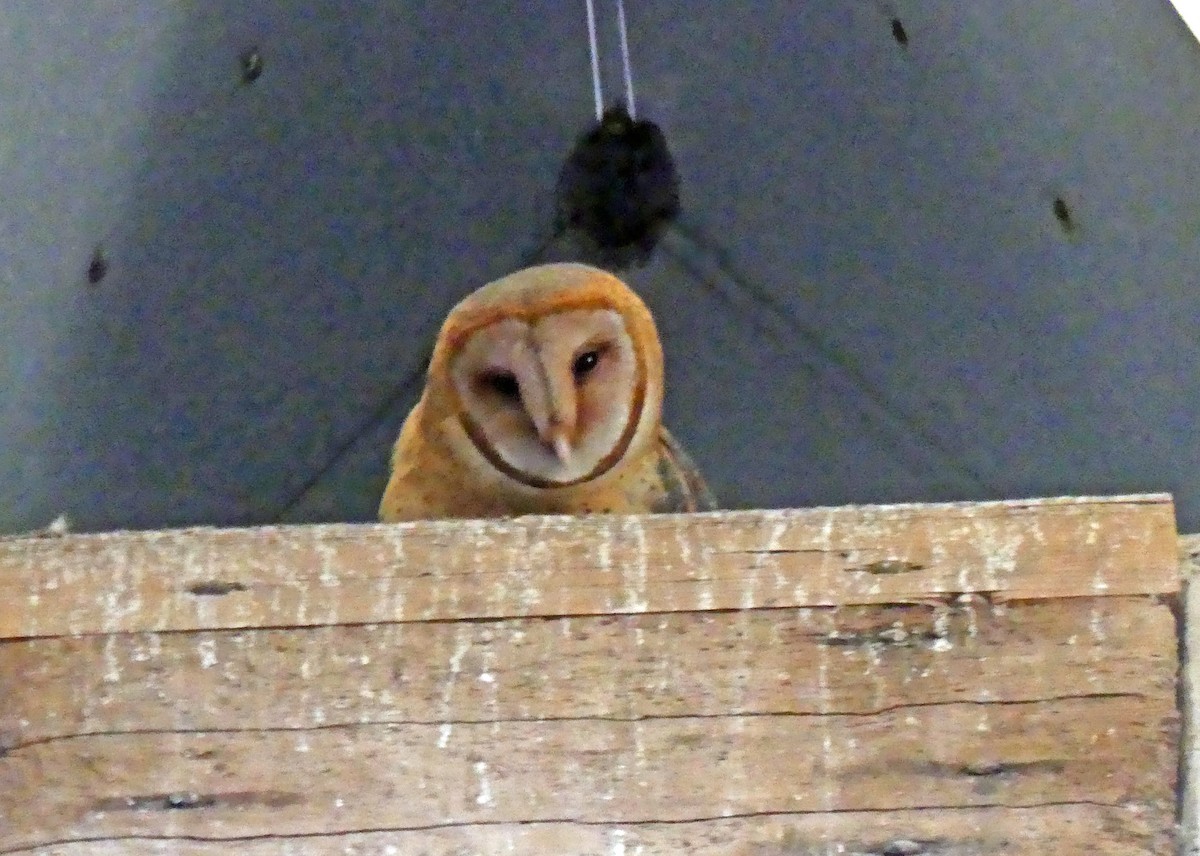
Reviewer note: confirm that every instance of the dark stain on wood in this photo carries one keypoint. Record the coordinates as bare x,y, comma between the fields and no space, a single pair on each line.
215,588
184,800
888,566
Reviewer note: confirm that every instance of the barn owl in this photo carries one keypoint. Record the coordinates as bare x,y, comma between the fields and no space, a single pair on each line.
543,396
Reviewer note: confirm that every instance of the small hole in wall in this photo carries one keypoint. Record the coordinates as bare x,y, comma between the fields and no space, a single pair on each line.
252,65
899,33
97,267
1062,213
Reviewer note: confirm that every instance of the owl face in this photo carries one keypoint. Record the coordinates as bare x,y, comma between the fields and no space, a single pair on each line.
551,400
548,378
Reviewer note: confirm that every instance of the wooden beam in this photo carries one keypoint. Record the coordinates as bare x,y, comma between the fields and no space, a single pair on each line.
851,661
452,570
895,681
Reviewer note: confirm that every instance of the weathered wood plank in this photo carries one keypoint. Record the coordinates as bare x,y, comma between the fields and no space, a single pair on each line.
327,575
1062,830
350,778
852,660
983,679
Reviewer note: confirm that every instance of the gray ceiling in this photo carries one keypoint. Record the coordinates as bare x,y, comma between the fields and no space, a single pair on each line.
870,296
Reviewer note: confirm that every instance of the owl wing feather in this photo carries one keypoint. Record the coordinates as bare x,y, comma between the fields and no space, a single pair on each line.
684,488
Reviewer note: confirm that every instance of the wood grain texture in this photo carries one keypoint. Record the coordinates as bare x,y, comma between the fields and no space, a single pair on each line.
453,570
963,710
589,771
852,660
1062,830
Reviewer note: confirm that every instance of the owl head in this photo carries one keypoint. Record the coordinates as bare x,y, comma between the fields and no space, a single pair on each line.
548,378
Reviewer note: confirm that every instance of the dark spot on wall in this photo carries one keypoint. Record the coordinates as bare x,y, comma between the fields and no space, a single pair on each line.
899,33
252,65
1062,213
97,267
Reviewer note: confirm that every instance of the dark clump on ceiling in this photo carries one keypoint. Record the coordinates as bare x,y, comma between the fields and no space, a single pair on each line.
97,267
618,189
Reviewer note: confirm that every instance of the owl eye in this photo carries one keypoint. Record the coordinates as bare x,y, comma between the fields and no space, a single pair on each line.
503,384
585,363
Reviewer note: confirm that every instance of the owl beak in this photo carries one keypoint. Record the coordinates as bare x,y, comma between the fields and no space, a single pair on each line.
562,447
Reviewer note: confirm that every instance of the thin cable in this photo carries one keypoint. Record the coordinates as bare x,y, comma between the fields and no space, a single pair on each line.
591,20
625,60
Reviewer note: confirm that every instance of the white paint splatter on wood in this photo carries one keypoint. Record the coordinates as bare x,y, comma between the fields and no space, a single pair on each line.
485,786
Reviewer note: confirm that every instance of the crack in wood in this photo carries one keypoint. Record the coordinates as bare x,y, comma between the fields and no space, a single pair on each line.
783,551
549,720
882,566
893,637
564,821
990,769
989,597
887,566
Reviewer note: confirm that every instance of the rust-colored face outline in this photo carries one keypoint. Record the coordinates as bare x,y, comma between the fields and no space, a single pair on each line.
479,440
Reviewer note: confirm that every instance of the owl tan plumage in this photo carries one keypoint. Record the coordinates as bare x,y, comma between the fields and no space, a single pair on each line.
544,396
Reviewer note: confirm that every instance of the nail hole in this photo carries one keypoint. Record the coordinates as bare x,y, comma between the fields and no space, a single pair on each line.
252,65
1063,214
899,33
97,267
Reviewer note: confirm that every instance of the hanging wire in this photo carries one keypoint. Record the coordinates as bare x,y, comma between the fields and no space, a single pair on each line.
625,62
591,21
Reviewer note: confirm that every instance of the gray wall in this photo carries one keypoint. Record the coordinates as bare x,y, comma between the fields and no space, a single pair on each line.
280,253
